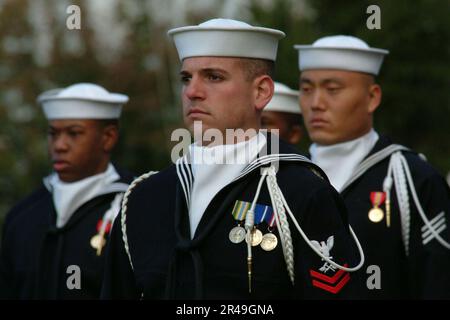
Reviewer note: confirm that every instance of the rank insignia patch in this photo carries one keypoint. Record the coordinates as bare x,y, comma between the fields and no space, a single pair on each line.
332,284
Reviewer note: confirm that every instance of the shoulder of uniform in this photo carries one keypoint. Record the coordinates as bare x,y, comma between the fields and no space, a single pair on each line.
155,183
303,173
419,165
126,176
27,203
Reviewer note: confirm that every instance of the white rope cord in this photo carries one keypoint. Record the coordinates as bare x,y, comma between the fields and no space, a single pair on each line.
308,241
403,199
111,213
124,210
282,222
371,161
249,224
418,205
399,168
280,206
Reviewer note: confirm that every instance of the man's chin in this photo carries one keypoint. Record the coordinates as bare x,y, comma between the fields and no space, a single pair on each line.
68,177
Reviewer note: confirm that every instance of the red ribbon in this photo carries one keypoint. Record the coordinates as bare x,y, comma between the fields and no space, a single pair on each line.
377,198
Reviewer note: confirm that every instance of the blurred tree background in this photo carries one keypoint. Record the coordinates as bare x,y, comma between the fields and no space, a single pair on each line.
123,46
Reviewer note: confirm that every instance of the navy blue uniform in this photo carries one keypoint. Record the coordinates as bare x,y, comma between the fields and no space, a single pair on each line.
167,263
424,271
36,255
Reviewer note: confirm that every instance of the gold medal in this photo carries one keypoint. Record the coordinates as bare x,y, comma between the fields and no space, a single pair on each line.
269,242
237,234
376,215
98,242
256,237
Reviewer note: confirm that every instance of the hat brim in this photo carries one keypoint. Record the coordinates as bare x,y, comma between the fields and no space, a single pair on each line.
112,98
372,50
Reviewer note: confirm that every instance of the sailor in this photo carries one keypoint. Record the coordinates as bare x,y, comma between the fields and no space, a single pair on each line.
283,113
53,240
398,203
241,228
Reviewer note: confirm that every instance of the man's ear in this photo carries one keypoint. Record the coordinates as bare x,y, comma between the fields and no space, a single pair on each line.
110,136
375,97
295,134
264,88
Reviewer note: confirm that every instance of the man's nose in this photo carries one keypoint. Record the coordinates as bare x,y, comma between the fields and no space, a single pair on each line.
317,100
59,143
194,89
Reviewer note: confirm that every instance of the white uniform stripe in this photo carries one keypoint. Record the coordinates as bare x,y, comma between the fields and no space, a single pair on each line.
435,226
432,221
439,230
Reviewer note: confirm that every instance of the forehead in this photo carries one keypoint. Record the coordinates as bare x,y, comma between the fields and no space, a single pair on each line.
67,123
330,75
193,64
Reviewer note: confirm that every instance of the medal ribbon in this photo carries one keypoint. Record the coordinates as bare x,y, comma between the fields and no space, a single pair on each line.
377,198
262,212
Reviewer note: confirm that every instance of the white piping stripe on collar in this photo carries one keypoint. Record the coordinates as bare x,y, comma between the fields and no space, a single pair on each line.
183,180
373,160
184,171
284,155
271,158
189,172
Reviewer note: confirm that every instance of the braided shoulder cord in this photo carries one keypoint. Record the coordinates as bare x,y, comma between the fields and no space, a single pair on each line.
282,222
124,210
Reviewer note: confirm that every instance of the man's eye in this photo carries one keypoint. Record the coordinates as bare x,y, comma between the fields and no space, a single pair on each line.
74,133
305,89
214,77
185,79
333,89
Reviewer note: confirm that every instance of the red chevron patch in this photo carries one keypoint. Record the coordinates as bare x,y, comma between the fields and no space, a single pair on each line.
332,284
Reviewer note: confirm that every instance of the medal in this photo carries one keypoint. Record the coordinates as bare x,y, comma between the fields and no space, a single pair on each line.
269,242
98,242
256,237
376,214
237,234
240,209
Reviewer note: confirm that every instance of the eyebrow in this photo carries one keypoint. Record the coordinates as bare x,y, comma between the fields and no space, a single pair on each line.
74,126
205,70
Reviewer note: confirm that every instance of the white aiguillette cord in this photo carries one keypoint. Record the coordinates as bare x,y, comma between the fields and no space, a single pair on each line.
280,207
400,174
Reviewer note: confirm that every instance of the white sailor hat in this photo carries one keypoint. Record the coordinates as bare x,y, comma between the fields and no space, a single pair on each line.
284,100
342,53
82,101
226,38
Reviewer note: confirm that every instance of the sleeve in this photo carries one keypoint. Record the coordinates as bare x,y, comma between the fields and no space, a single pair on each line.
118,280
323,218
429,260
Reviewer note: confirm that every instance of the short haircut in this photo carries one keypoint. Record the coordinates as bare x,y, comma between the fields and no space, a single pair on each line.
254,68
108,122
